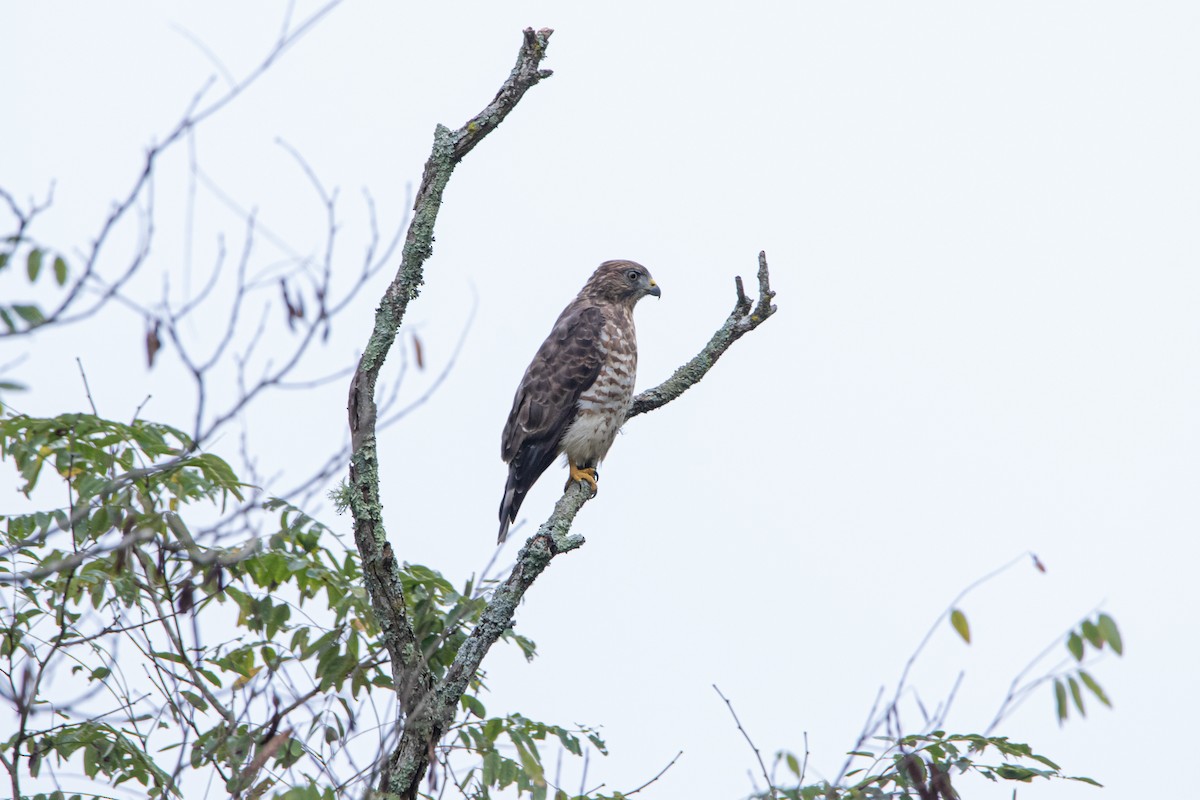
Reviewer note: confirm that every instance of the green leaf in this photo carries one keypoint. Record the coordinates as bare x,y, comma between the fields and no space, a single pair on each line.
30,313
1092,634
1014,772
166,655
1075,645
1045,761
1060,700
1094,687
99,523
33,264
959,620
60,270
1077,695
195,700
529,759
7,320
597,742
491,766
3,261
472,704
1108,629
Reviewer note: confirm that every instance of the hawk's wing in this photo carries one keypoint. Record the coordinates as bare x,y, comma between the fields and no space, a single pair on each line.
565,366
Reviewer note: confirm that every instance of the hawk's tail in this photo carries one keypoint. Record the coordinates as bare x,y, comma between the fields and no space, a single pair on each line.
526,466
513,496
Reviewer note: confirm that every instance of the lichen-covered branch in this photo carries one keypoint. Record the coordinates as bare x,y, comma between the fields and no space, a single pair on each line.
745,317
414,683
551,539
449,148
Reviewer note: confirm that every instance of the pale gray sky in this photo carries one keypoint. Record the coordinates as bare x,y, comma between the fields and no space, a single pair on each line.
981,224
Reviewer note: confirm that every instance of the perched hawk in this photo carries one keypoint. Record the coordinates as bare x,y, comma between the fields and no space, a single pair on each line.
576,392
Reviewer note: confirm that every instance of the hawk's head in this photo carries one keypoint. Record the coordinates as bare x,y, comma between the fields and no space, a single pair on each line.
621,282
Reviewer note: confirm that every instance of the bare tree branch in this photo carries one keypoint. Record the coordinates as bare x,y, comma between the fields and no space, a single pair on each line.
195,113
745,317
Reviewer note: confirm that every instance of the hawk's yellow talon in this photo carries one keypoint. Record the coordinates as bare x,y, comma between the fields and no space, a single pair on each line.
583,475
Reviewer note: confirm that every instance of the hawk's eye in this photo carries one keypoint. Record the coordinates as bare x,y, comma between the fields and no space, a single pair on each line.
632,275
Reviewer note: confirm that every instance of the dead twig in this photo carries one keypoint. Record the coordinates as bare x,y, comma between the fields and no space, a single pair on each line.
757,754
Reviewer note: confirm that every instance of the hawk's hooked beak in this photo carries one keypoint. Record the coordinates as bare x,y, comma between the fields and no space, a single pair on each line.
654,290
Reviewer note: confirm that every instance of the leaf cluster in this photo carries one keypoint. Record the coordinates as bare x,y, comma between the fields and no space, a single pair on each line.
1097,635
922,765
19,317
524,768
133,562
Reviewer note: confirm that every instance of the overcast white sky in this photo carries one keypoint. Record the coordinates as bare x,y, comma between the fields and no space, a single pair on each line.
981,221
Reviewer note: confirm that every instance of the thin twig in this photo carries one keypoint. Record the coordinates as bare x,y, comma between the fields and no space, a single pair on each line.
868,729
749,741
661,772
945,614
86,388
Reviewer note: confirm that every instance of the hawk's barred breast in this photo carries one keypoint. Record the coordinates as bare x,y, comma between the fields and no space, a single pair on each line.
602,407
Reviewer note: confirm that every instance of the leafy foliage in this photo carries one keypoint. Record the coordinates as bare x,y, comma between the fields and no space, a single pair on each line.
925,764
526,771
281,694
921,766
276,697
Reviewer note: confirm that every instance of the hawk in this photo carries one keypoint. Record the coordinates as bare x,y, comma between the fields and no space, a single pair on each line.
576,392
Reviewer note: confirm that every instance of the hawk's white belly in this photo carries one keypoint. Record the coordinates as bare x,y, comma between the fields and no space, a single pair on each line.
601,409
